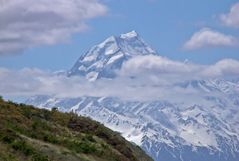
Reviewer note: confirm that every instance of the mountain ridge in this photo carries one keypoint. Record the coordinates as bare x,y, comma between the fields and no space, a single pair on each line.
198,129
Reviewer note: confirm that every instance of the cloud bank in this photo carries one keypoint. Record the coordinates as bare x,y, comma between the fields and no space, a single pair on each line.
143,77
29,23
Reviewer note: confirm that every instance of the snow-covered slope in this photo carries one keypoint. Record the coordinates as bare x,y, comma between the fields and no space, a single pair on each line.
103,59
168,130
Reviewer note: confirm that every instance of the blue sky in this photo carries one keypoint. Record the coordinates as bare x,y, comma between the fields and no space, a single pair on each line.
164,24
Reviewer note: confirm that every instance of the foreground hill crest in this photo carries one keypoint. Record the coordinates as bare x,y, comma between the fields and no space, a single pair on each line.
28,133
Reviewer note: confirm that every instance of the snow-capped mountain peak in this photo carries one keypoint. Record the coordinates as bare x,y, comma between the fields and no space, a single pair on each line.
129,35
103,59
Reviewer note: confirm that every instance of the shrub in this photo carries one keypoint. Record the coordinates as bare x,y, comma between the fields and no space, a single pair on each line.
80,147
7,139
86,148
50,139
26,112
1,98
54,109
23,147
38,157
7,136
89,137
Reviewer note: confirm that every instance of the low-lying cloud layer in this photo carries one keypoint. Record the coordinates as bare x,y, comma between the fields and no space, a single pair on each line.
26,24
144,77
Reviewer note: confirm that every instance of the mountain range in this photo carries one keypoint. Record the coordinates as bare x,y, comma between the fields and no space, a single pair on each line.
205,128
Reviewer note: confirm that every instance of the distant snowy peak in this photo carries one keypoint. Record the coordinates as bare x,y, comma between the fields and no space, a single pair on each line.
129,35
211,85
103,59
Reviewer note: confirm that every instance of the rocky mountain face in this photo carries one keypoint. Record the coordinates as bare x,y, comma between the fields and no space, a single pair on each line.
102,60
207,129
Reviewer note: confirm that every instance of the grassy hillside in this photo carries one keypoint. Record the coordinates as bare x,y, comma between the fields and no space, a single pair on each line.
28,133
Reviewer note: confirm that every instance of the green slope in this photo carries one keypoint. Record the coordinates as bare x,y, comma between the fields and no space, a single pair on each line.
28,133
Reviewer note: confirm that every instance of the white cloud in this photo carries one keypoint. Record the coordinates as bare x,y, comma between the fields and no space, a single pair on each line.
152,64
206,38
223,68
29,23
29,82
231,19
144,77
165,69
